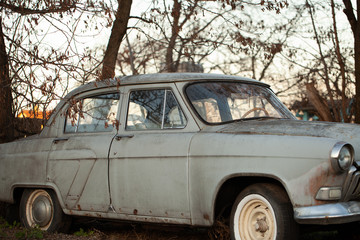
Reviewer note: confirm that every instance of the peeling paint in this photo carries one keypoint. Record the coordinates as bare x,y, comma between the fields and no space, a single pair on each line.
206,217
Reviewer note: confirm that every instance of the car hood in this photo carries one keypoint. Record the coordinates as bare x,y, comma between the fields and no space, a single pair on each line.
341,131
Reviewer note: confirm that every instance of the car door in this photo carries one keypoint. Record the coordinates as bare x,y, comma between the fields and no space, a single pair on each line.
149,156
78,160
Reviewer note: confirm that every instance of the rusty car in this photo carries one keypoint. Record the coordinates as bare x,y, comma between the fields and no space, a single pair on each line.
184,148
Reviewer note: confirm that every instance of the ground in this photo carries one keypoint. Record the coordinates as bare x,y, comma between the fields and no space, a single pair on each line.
92,229
84,229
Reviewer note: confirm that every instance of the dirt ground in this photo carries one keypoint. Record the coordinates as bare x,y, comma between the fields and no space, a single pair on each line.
83,229
87,228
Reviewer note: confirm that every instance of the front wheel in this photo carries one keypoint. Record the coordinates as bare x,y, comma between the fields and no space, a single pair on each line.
262,211
40,208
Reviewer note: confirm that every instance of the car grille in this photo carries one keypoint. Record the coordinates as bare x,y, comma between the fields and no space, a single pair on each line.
352,183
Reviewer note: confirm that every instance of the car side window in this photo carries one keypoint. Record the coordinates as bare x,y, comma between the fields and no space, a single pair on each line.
154,109
93,114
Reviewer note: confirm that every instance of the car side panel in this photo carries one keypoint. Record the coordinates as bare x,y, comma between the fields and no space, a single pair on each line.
216,157
78,166
22,163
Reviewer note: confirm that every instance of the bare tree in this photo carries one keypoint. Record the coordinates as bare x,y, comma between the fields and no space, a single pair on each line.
7,123
354,21
322,62
256,46
36,69
185,31
6,114
336,87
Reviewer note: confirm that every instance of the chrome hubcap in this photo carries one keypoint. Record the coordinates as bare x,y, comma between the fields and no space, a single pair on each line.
39,209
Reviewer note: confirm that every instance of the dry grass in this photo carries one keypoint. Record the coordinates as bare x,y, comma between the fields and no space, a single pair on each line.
84,229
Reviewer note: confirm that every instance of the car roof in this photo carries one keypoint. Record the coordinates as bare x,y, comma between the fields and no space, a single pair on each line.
159,78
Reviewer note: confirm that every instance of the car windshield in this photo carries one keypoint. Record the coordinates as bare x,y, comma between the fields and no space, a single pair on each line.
222,102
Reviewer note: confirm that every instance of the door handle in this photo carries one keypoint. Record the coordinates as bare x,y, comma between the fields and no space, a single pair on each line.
120,136
56,140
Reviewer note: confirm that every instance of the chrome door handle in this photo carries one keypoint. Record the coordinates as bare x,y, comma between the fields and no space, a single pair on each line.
56,140
120,136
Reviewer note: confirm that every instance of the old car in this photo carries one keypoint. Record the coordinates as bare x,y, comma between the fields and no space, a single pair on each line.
184,148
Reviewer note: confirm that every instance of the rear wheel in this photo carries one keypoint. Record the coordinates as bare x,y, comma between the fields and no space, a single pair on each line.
40,208
262,211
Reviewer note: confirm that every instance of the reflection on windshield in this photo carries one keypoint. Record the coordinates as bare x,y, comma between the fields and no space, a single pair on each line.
219,102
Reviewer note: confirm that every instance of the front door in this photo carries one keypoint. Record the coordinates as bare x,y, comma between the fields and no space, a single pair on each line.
149,157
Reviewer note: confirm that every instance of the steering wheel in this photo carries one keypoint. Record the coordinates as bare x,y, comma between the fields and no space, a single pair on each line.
255,109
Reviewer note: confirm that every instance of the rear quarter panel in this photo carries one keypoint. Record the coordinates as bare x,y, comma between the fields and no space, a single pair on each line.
22,163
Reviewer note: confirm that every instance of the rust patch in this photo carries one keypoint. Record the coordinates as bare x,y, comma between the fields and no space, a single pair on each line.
206,217
78,207
323,177
135,211
317,180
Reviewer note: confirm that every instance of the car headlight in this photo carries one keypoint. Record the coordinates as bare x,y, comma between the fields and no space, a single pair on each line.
342,156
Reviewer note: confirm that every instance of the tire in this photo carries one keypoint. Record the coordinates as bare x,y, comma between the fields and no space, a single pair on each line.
40,208
263,211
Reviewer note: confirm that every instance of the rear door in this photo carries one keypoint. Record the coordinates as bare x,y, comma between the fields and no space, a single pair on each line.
78,161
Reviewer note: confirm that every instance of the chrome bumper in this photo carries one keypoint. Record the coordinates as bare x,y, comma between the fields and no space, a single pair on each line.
335,213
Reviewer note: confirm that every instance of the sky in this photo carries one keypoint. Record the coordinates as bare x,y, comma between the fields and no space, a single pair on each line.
98,38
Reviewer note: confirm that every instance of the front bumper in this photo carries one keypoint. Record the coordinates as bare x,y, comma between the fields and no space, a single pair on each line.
336,213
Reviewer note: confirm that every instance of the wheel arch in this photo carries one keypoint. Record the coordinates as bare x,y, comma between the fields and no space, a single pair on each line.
18,189
230,187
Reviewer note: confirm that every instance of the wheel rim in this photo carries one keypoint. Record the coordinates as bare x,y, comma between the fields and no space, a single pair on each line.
39,209
255,219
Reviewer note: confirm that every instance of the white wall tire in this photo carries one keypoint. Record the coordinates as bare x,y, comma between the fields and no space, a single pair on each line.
262,211
40,208
254,218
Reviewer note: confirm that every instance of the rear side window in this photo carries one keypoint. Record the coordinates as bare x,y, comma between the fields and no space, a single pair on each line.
93,114
154,109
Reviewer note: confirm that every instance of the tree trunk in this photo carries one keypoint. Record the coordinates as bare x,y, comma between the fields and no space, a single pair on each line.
344,99
319,103
355,27
118,32
326,69
170,67
357,64
6,114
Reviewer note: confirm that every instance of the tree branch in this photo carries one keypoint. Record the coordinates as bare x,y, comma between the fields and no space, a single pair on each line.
63,7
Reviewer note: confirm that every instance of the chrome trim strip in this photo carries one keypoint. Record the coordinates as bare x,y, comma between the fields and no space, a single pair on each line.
335,213
347,184
356,191
357,164
351,193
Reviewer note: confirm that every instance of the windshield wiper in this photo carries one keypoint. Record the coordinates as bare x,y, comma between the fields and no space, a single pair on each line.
257,118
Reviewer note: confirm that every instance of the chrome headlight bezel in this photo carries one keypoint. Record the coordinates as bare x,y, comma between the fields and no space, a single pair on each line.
342,157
